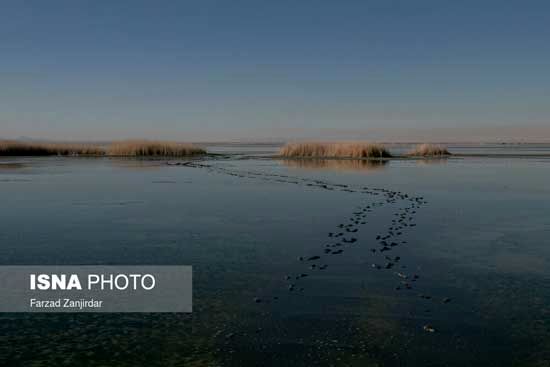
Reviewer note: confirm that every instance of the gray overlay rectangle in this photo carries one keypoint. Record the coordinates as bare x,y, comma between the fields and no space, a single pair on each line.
103,288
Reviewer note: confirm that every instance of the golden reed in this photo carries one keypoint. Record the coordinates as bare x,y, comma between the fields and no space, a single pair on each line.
128,148
334,150
428,150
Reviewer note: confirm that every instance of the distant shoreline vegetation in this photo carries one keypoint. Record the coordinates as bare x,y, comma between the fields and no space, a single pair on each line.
152,148
126,148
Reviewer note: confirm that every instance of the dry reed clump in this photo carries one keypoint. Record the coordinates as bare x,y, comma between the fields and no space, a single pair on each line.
334,150
130,148
145,148
429,150
16,148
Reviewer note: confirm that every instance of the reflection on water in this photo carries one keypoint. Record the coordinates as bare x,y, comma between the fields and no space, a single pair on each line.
337,164
432,161
10,166
136,164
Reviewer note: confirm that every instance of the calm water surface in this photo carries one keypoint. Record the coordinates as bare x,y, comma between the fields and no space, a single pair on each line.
476,260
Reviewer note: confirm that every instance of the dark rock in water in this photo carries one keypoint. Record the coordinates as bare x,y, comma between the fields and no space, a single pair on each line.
428,328
401,275
446,300
352,230
312,266
257,300
323,267
373,250
328,251
385,248
311,258
389,265
330,234
288,277
396,259
337,252
291,287
376,266
303,275
301,258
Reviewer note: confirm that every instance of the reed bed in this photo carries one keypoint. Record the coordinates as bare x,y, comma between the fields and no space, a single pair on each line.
16,148
128,148
429,150
146,148
356,150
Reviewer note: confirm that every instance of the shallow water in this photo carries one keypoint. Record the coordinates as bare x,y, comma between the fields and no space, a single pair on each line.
476,260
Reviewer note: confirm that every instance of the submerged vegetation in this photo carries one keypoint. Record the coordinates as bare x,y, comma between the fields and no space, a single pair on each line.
129,148
428,150
146,148
334,150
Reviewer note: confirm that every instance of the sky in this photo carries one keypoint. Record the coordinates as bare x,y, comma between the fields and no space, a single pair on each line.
245,70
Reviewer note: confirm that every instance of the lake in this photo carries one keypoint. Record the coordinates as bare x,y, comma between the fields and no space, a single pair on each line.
440,262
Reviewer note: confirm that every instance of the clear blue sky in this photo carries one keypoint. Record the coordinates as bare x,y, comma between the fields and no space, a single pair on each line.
250,69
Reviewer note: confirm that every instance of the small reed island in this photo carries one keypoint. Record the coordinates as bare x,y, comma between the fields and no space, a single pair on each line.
355,150
126,148
334,150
